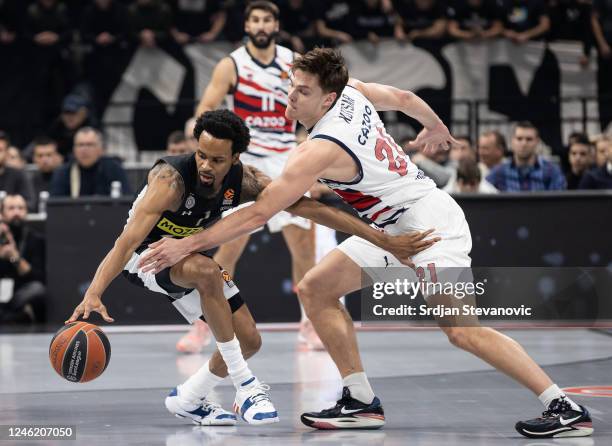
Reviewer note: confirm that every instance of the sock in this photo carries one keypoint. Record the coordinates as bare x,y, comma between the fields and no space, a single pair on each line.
198,385
553,393
236,365
360,387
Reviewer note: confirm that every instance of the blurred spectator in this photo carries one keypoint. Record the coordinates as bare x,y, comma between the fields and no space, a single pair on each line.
334,21
48,29
434,164
297,21
419,19
602,145
491,150
13,181
526,171
601,24
189,128
47,159
89,173
177,144
104,29
22,261
474,20
234,24
571,20
463,150
468,179
580,159
75,114
9,22
525,20
599,177
373,20
149,22
197,20
14,158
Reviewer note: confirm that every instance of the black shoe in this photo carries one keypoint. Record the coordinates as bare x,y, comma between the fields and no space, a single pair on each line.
560,420
348,413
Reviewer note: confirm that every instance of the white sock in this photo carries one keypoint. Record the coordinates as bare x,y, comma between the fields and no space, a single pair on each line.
236,365
360,387
198,385
553,393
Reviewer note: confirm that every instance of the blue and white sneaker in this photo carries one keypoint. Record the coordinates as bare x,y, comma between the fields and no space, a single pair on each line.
253,403
204,413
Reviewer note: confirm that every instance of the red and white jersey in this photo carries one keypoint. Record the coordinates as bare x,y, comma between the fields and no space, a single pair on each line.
388,183
260,98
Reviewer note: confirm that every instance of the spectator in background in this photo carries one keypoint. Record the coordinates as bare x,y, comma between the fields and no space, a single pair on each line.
602,146
14,158
197,21
177,144
599,177
13,181
601,24
75,114
469,180
334,21
9,22
462,150
474,20
104,29
191,140
419,19
297,20
434,164
48,29
580,160
22,260
491,151
525,20
373,20
47,159
89,173
149,23
526,171
571,20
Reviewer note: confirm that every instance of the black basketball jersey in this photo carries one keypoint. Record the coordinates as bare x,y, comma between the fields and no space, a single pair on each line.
196,211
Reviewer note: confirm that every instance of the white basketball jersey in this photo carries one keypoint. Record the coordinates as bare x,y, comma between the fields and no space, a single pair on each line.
260,99
388,183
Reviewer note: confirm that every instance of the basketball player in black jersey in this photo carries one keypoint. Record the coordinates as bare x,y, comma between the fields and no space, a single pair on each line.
185,194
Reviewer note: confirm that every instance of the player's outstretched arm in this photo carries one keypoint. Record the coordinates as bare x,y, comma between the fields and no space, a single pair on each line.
301,171
164,192
386,97
223,80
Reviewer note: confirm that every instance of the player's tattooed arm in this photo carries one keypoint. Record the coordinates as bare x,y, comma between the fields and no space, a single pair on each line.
254,181
164,191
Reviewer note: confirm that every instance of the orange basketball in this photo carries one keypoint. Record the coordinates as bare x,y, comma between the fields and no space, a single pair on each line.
79,352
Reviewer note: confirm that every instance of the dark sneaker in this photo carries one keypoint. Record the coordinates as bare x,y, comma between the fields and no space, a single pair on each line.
348,413
560,420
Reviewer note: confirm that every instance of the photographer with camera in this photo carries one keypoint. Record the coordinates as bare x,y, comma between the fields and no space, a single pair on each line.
22,265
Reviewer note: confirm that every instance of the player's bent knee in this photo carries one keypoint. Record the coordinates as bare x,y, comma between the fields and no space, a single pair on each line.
251,344
203,269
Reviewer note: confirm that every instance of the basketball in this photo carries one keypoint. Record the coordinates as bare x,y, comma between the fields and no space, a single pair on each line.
79,352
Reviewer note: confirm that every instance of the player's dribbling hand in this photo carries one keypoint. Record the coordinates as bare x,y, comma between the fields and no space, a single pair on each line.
404,246
90,303
428,140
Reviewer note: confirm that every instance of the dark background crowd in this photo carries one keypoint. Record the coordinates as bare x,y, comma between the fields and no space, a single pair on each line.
72,54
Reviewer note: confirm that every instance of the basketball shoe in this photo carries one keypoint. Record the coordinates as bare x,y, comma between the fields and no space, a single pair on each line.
559,420
253,403
348,413
196,339
205,412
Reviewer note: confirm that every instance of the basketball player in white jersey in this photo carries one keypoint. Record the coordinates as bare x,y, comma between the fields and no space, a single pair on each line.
349,149
255,80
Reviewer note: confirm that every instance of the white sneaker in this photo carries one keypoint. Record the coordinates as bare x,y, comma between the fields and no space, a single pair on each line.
204,413
253,404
